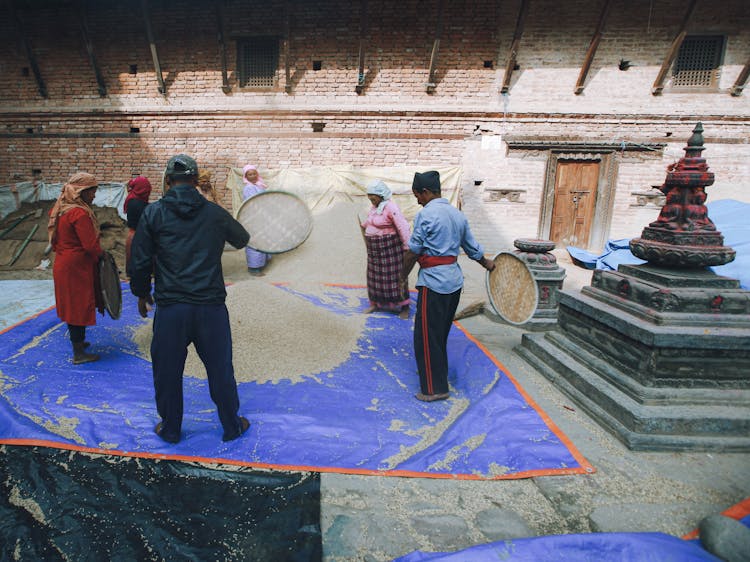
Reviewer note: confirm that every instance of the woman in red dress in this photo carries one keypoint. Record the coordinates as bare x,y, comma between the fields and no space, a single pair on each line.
74,235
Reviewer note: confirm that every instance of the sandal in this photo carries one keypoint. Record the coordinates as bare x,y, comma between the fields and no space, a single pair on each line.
431,397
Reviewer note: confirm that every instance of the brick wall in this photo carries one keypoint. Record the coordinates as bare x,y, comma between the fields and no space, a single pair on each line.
465,120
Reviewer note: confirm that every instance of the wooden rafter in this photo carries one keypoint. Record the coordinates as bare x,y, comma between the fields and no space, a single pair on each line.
29,51
435,48
152,44
225,87
81,5
739,84
362,47
658,86
593,46
512,56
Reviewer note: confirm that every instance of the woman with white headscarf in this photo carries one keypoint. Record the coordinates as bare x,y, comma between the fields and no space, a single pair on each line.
387,235
253,184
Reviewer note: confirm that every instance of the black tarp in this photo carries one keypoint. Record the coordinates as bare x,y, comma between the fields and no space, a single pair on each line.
68,505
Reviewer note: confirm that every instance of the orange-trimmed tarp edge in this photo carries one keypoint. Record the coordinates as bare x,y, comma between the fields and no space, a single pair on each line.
288,468
737,511
587,467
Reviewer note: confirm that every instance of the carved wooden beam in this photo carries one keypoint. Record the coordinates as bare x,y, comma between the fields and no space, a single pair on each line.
81,5
152,43
593,46
430,86
510,66
739,84
287,40
362,47
658,86
29,52
225,87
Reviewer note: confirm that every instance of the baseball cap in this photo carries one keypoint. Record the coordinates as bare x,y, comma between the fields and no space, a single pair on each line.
181,165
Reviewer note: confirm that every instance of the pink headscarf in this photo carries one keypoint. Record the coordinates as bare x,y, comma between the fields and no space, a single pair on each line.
258,183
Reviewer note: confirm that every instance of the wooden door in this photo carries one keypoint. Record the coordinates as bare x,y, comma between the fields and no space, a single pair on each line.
575,201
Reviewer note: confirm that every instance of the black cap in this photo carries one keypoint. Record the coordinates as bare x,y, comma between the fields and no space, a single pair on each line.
181,165
426,181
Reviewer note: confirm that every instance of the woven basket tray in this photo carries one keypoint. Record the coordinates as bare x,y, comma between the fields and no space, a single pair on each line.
109,284
278,221
512,289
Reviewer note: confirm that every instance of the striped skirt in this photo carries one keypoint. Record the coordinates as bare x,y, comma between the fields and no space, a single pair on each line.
385,258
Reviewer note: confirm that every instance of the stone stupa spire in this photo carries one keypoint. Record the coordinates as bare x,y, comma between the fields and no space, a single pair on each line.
683,235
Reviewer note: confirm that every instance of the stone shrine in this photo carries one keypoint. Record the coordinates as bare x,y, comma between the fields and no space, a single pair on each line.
659,353
549,277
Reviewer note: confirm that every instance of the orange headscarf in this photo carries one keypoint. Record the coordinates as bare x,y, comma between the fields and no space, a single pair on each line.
205,187
70,197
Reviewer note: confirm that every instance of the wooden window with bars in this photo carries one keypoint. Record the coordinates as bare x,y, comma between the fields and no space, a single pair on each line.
698,62
257,61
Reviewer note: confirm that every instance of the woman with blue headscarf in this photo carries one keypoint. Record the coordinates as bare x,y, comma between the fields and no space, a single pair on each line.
387,235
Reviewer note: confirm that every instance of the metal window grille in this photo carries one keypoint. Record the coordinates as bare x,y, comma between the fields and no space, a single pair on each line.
698,62
258,61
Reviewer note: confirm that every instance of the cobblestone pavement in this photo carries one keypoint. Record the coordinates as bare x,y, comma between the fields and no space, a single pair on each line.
373,518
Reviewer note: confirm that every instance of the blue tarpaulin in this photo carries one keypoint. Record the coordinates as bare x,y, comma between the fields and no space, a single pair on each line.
360,417
593,547
730,218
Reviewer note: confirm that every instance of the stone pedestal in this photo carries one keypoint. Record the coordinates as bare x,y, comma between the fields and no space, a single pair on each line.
659,353
549,278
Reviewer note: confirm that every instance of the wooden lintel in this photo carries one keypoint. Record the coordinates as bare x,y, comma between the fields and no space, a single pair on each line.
741,81
517,34
359,88
287,40
29,51
658,86
593,46
152,44
225,87
431,81
90,47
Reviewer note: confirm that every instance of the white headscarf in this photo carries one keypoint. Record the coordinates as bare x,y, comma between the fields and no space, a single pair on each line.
377,187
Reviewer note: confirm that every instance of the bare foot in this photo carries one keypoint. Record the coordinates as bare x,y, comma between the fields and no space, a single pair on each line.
369,310
404,314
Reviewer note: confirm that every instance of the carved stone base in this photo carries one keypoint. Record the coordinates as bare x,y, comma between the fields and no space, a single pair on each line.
682,254
675,386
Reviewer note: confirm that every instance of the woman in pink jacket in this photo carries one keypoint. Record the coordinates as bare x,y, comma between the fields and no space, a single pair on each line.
386,235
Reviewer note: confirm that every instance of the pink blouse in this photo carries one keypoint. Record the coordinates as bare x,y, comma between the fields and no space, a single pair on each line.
390,221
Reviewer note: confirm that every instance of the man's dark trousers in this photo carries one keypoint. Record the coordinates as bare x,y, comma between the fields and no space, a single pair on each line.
432,323
207,327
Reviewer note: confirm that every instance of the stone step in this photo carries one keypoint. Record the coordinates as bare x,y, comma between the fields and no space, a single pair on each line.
675,427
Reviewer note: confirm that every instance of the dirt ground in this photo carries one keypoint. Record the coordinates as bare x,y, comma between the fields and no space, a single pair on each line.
30,260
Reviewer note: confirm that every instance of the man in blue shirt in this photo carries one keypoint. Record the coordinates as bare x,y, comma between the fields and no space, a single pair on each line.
440,232
179,241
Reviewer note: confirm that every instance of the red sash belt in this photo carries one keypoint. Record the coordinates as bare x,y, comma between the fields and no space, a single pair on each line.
431,261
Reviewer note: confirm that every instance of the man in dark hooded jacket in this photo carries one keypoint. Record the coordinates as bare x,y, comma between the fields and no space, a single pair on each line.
179,240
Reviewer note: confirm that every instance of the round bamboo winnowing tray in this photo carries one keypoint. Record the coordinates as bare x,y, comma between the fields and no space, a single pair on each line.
512,289
109,284
278,221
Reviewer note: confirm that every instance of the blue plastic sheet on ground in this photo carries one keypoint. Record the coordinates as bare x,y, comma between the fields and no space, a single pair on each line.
594,547
361,417
730,218
22,299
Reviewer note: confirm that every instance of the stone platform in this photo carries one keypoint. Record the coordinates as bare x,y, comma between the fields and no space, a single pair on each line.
660,357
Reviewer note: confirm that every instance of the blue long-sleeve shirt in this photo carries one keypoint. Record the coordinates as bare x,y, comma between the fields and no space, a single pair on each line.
442,230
